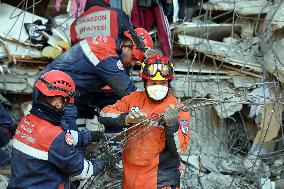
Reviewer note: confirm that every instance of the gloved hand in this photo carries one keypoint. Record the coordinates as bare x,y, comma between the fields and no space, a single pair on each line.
171,115
134,117
109,160
98,136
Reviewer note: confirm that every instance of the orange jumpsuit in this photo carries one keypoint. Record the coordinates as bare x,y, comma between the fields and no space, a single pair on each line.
151,159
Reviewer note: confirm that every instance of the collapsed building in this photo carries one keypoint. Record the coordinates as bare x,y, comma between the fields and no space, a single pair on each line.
229,73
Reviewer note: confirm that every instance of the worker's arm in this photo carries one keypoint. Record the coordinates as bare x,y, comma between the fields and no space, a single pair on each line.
177,130
114,115
69,161
111,71
123,23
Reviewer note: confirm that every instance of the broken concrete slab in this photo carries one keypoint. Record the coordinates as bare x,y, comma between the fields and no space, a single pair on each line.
252,164
273,56
230,165
220,181
18,79
239,81
189,67
250,26
17,50
209,163
211,31
194,161
252,7
221,51
270,122
278,18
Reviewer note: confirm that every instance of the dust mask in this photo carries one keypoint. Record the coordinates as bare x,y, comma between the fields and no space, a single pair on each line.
157,92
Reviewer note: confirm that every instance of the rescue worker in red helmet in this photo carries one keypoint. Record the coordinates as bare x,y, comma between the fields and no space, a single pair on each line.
94,63
99,19
43,154
151,159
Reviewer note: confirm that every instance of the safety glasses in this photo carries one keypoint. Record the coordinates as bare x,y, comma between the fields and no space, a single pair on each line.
152,69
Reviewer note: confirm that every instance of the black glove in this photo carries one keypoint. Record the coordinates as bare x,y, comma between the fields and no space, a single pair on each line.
98,136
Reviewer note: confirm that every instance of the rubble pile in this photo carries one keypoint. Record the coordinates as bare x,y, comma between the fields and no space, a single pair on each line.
235,144
229,63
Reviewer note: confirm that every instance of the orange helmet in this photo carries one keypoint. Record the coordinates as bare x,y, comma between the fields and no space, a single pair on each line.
141,42
57,83
157,68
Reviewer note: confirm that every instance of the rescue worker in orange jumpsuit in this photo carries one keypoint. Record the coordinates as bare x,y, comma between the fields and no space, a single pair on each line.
43,154
151,160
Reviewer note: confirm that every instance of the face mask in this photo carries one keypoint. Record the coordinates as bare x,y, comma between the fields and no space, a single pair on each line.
157,92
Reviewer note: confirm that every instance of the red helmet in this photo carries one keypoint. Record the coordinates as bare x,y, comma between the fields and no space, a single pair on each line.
57,83
157,67
141,42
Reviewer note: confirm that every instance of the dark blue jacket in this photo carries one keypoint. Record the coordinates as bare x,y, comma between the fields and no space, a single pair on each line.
43,154
92,63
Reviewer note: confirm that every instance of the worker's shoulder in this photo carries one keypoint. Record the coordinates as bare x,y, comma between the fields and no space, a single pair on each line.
138,94
44,127
171,97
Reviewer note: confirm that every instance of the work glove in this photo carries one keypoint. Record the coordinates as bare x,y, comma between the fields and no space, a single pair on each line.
171,115
134,117
97,136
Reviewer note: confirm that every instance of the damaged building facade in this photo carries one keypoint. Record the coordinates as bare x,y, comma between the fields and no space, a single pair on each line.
229,65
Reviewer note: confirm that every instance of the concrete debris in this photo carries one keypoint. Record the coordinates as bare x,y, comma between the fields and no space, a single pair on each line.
274,57
20,51
252,164
250,7
277,21
279,184
267,184
276,168
215,180
3,181
209,163
239,81
211,31
220,51
270,114
194,161
224,58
